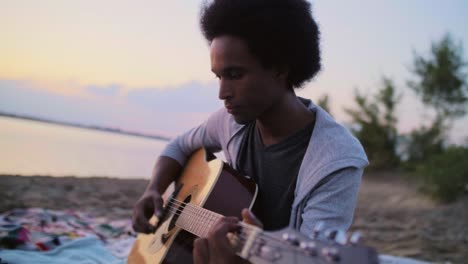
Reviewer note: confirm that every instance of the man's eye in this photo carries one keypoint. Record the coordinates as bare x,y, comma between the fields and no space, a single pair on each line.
234,75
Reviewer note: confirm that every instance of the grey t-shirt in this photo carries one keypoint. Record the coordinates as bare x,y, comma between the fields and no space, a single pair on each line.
274,168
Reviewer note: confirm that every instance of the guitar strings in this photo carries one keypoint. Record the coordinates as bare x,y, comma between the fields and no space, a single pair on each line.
257,243
242,237
193,209
196,210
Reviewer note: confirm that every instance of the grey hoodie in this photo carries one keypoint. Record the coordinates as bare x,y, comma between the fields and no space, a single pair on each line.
329,177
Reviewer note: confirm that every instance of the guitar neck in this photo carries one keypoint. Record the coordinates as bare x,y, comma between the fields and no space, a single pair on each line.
283,246
199,221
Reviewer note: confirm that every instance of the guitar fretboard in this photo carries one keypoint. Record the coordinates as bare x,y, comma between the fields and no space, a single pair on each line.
197,220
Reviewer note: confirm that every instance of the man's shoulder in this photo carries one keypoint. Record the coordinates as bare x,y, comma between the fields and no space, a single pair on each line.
333,142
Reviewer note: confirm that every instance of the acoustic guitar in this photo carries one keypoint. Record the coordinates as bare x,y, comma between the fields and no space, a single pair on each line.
209,189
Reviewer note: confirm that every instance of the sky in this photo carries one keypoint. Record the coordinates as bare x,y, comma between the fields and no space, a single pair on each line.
144,66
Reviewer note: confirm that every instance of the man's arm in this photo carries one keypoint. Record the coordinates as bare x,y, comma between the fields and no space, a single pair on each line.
169,166
333,201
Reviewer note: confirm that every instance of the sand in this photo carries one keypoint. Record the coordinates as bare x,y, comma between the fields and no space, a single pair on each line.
393,216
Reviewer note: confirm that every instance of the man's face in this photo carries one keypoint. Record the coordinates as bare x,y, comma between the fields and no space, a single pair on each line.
246,87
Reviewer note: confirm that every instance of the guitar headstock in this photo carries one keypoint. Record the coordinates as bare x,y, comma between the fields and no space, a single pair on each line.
290,246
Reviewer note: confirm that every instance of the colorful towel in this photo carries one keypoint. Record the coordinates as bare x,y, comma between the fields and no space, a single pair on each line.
42,230
89,250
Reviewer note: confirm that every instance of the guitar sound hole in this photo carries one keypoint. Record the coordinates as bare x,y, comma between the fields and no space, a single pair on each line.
179,210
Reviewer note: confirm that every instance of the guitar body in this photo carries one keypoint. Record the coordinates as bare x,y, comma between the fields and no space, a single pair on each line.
205,182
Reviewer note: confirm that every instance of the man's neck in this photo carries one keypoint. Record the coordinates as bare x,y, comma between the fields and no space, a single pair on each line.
284,119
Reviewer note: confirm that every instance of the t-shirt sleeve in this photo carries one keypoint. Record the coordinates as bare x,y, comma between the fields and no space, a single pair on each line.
207,135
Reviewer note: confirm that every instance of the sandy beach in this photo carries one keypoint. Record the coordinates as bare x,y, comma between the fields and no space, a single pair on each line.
393,216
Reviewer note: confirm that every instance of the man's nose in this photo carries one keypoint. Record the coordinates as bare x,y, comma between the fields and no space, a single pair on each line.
225,90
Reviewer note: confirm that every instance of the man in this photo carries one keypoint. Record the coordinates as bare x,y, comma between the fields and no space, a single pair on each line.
308,168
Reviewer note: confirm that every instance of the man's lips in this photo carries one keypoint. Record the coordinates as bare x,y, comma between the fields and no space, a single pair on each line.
232,108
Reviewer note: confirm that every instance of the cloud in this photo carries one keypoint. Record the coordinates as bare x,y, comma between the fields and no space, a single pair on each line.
110,90
23,97
167,111
189,97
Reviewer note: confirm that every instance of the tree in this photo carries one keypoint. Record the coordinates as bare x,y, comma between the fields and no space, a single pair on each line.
424,142
446,174
441,83
440,79
376,125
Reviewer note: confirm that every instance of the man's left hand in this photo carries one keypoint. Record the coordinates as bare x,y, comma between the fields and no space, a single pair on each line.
216,248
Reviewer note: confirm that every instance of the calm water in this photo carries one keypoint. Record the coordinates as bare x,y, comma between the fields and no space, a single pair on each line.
36,148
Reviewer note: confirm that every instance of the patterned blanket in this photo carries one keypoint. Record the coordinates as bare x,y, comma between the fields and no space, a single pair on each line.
55,237
38,229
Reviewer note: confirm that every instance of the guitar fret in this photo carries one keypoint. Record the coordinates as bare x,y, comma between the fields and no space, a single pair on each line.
199,217
192,221
203,224
203,232
199,221
207,226
209,223
195,221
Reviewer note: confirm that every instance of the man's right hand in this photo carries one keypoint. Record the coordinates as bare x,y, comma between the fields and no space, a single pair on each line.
149,204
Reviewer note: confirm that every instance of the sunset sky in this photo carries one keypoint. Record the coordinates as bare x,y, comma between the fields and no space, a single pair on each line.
144,66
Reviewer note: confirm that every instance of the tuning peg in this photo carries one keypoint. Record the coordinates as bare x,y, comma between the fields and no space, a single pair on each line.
341,237
355,238
331,253
317,229
309,247
291,238
268,253
330,234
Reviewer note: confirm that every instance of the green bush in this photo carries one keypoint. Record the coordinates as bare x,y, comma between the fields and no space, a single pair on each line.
445,175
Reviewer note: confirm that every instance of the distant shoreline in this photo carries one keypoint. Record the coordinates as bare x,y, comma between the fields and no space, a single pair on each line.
91,127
